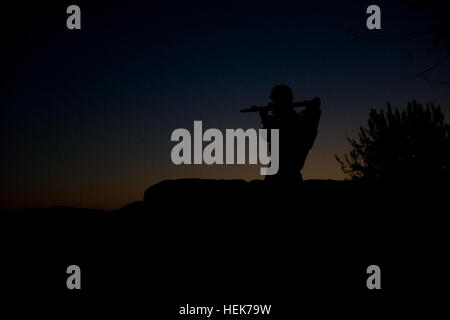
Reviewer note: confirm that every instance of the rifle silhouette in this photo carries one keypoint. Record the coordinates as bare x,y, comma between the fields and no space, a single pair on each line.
270,106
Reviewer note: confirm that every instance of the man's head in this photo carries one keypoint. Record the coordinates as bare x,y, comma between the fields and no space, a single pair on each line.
282,95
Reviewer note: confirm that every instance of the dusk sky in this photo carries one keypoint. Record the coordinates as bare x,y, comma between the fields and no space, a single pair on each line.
87,114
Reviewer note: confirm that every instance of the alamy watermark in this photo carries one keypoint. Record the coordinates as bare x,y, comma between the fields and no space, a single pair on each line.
235,140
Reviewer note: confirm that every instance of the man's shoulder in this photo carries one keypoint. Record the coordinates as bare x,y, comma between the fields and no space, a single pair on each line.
314,110
311,110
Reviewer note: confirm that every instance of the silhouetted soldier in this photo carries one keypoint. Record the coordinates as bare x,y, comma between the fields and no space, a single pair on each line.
298,131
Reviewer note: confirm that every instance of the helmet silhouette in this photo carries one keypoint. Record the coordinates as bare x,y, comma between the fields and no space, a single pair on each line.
281,94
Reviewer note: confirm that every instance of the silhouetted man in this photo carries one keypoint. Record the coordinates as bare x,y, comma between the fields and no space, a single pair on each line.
298,132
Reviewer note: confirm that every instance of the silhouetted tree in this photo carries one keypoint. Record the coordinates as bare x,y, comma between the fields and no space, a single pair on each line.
405,145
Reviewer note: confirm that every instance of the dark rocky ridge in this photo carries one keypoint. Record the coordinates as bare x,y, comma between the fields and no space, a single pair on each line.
253,239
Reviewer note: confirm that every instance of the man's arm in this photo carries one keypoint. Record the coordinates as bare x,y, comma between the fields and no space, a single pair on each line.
265,118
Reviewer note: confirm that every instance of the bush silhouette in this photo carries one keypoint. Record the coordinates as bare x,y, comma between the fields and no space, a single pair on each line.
405,145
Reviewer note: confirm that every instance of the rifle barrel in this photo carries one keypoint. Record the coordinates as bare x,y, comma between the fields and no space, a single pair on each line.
305,103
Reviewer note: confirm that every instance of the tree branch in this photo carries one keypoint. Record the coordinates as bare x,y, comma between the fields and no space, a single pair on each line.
434,65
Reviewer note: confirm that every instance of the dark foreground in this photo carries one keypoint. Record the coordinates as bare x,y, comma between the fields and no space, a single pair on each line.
304,250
